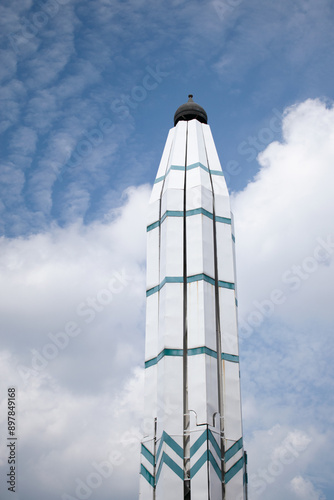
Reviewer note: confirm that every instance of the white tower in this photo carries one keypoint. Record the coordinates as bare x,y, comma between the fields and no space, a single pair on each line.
193,449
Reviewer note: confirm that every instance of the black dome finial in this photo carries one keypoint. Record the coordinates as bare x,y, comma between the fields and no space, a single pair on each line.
190,111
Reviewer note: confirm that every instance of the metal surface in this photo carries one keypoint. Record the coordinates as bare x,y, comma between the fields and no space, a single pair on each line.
190,111
192,385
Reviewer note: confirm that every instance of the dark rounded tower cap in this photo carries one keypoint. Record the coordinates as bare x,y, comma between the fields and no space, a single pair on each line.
189,111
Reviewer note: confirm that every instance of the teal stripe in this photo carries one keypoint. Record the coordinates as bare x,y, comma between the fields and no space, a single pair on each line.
215,465
230,357
203,437
162,354
233,238
173,444
198,164
202,350
200,462
191,352
147,454
233,449
200,277
200,210
189,213
168,279
224,220
207,455
214,444
153,290
153,226
172,213
166,438
189,167
234,469
149,478
226,284
165,459
190,279
196,446
160,467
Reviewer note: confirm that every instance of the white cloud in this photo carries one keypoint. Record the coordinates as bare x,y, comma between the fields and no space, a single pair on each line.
303,488
79,399
284,235
286,213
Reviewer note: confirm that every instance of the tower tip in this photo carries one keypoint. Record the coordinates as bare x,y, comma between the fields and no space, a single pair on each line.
190,111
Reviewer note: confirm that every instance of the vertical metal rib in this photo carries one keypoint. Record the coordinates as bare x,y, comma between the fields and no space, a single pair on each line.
155,459
218,338
186,417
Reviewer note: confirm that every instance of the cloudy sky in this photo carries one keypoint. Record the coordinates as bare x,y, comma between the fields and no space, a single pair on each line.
88,94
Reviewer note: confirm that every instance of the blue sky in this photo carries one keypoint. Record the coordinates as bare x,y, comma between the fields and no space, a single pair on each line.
88,94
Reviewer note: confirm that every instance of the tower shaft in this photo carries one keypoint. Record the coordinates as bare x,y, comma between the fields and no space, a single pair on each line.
193,448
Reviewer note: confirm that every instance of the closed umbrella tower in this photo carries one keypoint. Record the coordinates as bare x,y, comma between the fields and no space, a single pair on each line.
193,447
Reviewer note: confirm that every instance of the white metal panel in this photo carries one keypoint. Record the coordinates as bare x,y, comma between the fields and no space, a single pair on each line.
153,258
196,318
210,316
225,256
199,481
216,486
232,405
203,389
213,159
201,315
156,192
172,199
228,321
196,148
145,490
211,388
234,488
170,395
171,247
169,485
152,326
222,201
171,317
198,196
153,212
150,394
199,485
148,442
166,154
178,150
199,245
174,179
197,376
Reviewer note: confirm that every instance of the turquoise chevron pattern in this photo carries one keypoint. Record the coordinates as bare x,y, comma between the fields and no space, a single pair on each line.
207,456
